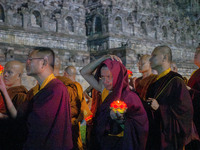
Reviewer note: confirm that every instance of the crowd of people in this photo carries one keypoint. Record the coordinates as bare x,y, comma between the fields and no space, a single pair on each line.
158,111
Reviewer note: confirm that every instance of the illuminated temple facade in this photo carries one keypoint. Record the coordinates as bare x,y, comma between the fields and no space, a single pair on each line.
80,31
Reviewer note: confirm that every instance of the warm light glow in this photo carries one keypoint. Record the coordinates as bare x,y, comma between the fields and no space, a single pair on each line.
1,69
88,118
118,106
130,73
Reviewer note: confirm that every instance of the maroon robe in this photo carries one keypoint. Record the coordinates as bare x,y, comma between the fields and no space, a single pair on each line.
49,118
170,127
194,84
135,123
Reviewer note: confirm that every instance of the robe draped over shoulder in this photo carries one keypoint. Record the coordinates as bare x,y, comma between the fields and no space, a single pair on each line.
141,85
135,126
194,84
49,120
170,127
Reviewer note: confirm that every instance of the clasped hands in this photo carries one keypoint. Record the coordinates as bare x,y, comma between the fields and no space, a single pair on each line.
153,103
118,117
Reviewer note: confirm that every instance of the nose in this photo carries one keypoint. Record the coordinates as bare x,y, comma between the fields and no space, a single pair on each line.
5,73
106,81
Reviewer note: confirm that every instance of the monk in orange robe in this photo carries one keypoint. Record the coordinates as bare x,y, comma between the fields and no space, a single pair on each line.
13,132
79,107
142,83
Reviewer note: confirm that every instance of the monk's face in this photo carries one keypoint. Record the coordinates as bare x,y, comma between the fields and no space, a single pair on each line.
156,59
34,64
144,65
107,78
11,74
197,58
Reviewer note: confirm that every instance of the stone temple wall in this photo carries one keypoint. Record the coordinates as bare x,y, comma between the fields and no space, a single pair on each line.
141,25
57,24
82,30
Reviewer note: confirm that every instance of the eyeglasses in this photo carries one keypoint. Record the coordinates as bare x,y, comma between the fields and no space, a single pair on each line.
30,59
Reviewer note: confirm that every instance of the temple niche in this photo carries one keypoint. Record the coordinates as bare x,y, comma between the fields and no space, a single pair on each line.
97,25
118,24
2,15
143,28
18,19
36,20
164,32
69,24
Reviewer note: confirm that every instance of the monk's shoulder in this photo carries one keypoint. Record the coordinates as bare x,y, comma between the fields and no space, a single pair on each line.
131,97
56,83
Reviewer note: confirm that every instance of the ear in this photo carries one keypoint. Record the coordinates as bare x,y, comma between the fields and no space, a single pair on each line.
45,62
20,75
165,58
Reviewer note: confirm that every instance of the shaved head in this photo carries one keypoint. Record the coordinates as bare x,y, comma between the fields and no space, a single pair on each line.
165,50
144,64
12,73
45,52
16,65
145,57
70,72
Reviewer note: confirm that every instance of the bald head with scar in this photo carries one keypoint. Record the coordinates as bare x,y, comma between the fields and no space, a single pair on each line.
70,72
13,71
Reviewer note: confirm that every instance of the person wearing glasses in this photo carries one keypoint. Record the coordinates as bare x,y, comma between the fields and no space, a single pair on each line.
47,108
13,133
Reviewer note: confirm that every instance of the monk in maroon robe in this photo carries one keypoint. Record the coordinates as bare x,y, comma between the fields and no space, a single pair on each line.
48,111
169,107
194,89
194,84
49,123
113,132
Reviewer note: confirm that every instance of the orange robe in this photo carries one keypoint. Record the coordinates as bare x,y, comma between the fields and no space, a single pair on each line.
143,84
17,95
77,102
